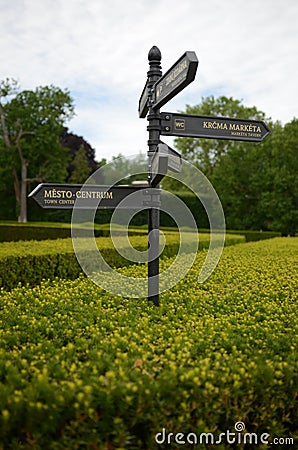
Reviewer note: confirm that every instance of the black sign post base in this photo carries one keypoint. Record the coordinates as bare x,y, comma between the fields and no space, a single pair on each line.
153,258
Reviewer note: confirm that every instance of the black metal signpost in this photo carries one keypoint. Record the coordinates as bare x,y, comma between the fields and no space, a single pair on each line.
161,157
158,90
153,75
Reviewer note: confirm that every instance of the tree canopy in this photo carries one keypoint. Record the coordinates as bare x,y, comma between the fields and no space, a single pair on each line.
76,144
81,170
31,124
207,153
256,182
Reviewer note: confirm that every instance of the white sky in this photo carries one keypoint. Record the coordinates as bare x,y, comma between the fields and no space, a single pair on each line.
98,50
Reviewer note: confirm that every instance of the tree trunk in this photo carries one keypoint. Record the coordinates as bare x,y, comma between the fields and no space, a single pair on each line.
23,193
16,185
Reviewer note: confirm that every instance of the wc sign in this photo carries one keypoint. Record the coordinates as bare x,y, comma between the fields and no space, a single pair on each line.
179,124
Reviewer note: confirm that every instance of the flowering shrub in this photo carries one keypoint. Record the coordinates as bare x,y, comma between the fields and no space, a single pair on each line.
82,369
30,262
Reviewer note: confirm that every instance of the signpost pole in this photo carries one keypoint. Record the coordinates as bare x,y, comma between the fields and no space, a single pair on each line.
154,74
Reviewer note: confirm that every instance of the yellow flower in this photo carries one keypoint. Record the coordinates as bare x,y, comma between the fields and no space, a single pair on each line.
5,414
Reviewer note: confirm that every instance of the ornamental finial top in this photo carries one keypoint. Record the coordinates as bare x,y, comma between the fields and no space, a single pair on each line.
154,54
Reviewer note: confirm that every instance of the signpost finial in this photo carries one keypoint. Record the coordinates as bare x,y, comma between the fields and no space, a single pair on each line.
154,54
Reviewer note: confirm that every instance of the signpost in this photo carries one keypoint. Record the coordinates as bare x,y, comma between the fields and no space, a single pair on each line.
189,125
180,75
143,102
158,90
164,158
66,196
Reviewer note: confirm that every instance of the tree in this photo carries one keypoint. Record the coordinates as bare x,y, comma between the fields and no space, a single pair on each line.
279,193
228,164
74,143
126,170
237,181
256,182
81,169
31,123
207,153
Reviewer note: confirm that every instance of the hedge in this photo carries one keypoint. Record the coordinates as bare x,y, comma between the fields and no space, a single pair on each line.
253,235
29,262
83,369
13,231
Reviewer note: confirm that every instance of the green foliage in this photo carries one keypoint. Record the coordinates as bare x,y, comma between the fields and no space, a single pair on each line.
74,142
29,262
207,153
279,196
25,232
42,113
80,368
256,183
251,236
81,169
30,127
125,170
42,230
13,231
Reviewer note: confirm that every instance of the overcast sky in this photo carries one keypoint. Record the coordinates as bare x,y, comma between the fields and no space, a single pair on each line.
98,50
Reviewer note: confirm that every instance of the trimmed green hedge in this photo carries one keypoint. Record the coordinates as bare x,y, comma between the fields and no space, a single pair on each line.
252,235
83,369
29,262
13,231
22,232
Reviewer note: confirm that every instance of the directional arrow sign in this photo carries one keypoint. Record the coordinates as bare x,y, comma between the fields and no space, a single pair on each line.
188,125
143,102
181,74
68,196
163,159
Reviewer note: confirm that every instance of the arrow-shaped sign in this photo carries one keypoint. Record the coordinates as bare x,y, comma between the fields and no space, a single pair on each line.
163,159
143,102
181,74
189,125
68,196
